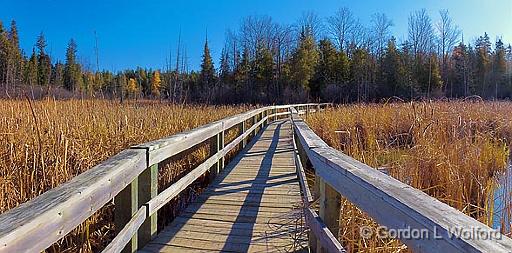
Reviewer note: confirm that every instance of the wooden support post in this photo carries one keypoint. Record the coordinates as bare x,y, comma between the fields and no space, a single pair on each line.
126,204
222,144
330,202
242,130
318,108
254,120
214,148
148,189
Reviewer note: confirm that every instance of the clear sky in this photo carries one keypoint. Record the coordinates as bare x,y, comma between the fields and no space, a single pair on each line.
140,33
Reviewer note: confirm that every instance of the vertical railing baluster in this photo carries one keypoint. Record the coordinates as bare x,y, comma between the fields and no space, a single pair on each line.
215,143
126,204
330,201
148,189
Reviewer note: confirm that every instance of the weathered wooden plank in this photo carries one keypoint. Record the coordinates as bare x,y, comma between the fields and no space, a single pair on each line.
147,189
37,224
126,205
397,205
241,205
328,241
125,235
182,222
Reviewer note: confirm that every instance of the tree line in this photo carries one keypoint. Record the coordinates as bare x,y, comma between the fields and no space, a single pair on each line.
337,59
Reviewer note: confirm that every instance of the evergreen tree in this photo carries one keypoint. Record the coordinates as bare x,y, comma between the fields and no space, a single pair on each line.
15,60
460,73
241,76
483,51
4,55
207,76
499,69
72,72
305,60
225,72
393,73
261,73
31,69
58,74
43,62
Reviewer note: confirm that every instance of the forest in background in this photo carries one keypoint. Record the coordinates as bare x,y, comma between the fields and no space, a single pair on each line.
337,59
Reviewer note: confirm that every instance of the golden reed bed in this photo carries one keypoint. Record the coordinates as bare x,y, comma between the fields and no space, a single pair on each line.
45,143
454,151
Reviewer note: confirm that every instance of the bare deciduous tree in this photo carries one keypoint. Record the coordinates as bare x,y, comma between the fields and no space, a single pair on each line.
341,25
381,25
312,23
449,34
421,32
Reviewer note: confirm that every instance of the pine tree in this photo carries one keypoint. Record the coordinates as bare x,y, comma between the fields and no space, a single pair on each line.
393,73
72,72
225,72
326,72
241,76
499,68
4,55
31,69
483,51
15,57
207,69
305,60
261,73
43,62
58,74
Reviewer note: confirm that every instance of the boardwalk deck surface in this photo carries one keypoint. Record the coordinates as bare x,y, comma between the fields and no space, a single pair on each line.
252,206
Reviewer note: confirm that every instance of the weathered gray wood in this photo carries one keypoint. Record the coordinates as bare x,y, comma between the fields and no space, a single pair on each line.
172,191
242,129
325,237
225,217
127,233
148,189
214,148
47,218
394,204
126,205
37,224
329,206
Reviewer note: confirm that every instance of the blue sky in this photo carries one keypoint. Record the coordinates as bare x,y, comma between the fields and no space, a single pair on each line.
140,33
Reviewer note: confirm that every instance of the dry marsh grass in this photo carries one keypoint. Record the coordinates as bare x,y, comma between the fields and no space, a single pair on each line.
46,143
453,151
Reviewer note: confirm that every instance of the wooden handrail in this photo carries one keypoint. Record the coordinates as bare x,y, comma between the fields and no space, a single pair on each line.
392,203
35,225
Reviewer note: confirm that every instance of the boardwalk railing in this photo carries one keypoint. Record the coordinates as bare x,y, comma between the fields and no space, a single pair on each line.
433,225
130,178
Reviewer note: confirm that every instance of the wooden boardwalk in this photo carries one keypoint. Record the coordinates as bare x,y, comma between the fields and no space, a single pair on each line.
254,204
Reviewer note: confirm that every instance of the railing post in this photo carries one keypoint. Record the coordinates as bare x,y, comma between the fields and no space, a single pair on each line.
254,120
148,189
214,148
126,204
330,203
242,129
221,142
